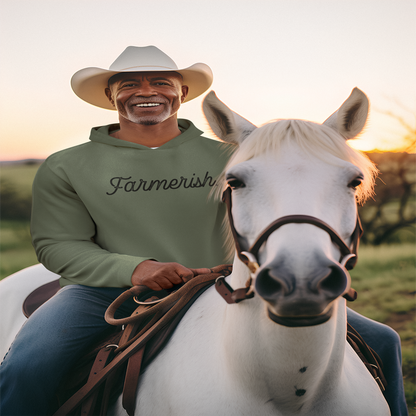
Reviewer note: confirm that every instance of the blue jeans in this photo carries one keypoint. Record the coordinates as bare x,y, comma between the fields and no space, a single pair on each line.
57,334
50,343
386,343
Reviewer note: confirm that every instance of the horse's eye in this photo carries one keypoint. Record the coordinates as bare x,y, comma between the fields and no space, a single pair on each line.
235,183
356,182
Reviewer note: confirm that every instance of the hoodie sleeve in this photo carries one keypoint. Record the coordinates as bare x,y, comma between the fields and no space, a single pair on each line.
63,237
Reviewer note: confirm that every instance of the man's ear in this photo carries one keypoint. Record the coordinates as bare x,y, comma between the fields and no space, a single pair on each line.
109,96
185,90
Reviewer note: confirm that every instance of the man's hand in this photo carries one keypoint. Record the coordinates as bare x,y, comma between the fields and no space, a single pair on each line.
158,276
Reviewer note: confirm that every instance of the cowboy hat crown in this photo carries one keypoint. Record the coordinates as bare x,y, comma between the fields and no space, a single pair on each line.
89,84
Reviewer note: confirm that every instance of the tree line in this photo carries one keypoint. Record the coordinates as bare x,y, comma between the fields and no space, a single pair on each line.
391,215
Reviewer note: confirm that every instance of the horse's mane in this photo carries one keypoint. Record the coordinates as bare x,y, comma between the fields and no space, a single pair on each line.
313,138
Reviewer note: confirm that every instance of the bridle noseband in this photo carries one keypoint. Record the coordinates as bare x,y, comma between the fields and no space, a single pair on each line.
249,256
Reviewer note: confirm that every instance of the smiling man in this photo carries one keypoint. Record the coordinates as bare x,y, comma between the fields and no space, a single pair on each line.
129,207
147,99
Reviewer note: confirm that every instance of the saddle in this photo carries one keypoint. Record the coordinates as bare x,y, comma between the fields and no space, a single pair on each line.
126,352
134,342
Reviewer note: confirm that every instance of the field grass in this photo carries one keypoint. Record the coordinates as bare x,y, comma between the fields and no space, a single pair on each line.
20,176
385,278
16,251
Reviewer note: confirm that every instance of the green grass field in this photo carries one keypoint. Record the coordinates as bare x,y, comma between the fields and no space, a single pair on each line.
384,277
16,251
20,175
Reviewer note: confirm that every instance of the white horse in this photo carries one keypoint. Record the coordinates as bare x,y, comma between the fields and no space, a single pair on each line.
284,351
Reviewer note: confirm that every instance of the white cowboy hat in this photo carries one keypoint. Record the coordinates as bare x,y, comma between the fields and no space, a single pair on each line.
90,83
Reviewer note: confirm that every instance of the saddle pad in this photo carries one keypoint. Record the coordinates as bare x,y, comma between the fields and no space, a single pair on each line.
39,296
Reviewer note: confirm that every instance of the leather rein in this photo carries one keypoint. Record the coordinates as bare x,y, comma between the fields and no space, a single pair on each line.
249,255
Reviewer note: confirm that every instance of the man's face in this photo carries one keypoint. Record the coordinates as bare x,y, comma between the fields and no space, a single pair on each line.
147,97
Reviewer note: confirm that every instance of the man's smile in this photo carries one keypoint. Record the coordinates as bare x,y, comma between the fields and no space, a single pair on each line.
146,98
148,104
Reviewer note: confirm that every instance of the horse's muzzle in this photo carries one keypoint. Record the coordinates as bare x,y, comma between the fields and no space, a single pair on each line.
301,300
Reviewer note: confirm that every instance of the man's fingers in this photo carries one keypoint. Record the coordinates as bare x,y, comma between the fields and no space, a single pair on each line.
176,278
168,277
158,276
186,275
195,272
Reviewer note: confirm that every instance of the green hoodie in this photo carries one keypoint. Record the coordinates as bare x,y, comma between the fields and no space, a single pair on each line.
103,207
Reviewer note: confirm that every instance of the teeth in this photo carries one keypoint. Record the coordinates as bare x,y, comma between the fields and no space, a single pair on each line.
148,105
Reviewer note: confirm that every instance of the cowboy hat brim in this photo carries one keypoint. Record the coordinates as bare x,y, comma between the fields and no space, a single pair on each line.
89,84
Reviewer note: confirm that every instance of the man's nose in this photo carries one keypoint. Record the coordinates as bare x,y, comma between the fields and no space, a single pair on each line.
146,89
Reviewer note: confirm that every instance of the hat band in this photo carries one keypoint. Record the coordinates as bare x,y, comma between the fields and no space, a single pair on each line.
145,66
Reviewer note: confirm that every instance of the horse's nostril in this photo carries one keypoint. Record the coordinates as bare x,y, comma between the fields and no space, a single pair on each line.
269,284
334,283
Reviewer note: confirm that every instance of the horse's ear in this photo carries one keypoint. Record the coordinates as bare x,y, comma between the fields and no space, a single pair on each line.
227,125
349,120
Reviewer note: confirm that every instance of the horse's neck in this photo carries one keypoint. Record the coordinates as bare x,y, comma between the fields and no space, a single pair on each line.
279,361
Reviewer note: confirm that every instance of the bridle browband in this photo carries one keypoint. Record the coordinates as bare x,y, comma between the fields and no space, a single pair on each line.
249,256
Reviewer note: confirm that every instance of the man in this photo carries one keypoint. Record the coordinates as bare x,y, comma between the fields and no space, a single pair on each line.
130,207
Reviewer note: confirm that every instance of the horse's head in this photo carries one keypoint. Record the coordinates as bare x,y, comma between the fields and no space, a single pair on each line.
302,169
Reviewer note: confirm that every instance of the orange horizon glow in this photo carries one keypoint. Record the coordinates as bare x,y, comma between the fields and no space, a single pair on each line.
394,139
358,144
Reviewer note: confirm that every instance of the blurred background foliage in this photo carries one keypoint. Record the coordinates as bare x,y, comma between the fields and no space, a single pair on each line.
390,217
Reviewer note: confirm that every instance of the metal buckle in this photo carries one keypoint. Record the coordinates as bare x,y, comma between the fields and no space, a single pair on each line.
252,262
107,347
380,384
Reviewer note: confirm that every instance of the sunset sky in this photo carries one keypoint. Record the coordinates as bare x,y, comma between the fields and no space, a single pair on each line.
270,58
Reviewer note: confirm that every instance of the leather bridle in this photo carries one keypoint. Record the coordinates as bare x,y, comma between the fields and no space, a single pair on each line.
249,255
